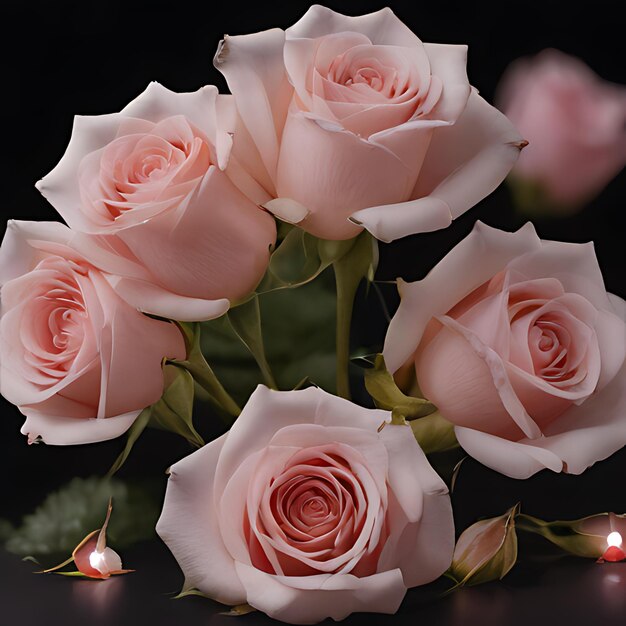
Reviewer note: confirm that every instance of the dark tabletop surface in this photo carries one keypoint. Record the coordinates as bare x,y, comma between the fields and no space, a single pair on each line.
569,591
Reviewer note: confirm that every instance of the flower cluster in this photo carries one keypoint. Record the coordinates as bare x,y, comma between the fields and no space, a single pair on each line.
339,131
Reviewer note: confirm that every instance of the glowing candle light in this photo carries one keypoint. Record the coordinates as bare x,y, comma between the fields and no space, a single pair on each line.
614,551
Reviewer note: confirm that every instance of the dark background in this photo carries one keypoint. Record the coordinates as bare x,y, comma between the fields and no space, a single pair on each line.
93,58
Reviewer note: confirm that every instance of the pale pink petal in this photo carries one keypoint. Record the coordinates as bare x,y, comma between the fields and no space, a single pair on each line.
596,428
69,431
133,348
471,263
60,187
405,459
449,63
149,298
311,599
516,459
457,375
265,413
359,174
381,27
157,103
189,526
574,265
465,162
254,70
392,221
16,258
227,261
499,373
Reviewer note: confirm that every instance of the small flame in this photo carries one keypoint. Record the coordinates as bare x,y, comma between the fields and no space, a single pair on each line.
96,558
614,540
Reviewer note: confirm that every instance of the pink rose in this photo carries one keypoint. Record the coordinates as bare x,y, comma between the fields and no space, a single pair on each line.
517,342
69,345
352,122
148,188
575,122
306,509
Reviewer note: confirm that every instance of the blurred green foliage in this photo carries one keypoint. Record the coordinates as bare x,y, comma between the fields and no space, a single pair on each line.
66,516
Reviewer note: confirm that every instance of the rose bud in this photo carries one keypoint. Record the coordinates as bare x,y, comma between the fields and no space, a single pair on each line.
576,125
148,196
92,557
78,361
352,122
307,509
517,343
486,551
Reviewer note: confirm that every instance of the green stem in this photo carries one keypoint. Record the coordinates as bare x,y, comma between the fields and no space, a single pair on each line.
346,290
350,269
246,322
206,378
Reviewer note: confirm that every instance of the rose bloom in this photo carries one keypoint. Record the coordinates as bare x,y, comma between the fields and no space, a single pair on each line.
575,122
519,345
354,117
147,193
78,361
306,510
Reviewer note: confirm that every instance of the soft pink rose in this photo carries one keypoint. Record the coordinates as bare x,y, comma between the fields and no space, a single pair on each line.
354,117
146,191
518,344
305,511
78,361
575,122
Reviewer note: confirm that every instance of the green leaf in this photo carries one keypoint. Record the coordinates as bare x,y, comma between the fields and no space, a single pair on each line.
246,322
295,262
174,411
132,434
386,394
486,551
190,592
67,515
203,374
298,334
434,433
240,609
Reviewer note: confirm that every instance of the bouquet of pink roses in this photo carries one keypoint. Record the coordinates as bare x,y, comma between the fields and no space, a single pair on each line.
188,210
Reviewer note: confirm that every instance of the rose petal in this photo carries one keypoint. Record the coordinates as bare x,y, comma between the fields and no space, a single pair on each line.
69,431
310,599
516,459
490,249
189,526
254,71
466,161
